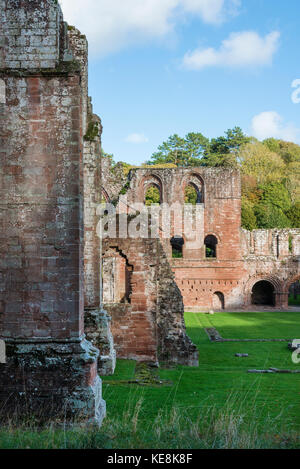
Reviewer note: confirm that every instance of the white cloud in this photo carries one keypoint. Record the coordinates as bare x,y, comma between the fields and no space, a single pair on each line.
243,49
136,139
211,11
271,124
113,24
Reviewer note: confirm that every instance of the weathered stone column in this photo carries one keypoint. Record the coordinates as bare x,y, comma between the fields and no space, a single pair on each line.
97,321
51,368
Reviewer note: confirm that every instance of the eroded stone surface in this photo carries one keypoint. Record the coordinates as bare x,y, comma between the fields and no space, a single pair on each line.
51,369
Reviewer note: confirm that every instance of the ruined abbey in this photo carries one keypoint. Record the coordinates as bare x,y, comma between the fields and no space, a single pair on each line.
71,302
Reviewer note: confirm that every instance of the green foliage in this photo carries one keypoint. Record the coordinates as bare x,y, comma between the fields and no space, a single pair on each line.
249,221
294,215
258,161
181,152
210,253
276,194
92,131
231,143
269,216
152,196
190,195
294,301
288,151
176,254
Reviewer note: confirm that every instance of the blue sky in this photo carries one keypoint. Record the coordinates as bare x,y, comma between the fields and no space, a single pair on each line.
159,67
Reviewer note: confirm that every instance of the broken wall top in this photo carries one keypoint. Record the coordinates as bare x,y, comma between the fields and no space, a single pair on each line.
33,34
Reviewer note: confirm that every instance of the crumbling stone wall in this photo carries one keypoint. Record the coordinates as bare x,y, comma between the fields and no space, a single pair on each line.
149,326
51,369
272,255
113,180
243,258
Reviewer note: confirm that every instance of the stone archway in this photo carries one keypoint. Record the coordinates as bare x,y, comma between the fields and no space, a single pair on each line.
263,293
194,181
218,301
146,183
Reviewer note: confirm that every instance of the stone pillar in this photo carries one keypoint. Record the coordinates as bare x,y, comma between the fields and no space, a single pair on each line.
51,369
97,321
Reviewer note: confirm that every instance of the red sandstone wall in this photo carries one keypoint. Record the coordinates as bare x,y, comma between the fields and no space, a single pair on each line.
41,208
242,257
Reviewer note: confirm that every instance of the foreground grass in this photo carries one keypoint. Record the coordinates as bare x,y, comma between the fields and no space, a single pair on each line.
216,405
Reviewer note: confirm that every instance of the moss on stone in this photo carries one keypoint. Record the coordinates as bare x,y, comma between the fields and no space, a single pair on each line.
92,131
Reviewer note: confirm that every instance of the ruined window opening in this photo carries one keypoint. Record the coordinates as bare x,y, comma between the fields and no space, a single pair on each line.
193,195
278,246
263,293
218,300
2,92
294,294
177,243
117,279
211,243
152,195
290,244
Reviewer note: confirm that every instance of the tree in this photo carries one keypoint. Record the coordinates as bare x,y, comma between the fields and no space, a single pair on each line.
224,151
276,194
289,151
190,195
258,161
249,221
152,196
293,180
294,215
182,152
268,216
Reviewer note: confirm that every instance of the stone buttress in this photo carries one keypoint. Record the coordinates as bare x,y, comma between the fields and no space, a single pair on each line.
51,369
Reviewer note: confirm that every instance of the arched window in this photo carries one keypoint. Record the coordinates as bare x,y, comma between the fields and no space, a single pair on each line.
152,195
104,197
218,300
263,293
177,243
2,92
211,243
193,195
117,274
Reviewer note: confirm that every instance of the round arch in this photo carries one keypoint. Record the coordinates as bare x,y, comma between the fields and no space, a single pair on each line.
218,301
211,242
195,180
105,196
275,283
148,181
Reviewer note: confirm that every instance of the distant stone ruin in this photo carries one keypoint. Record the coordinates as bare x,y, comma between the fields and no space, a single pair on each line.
240,268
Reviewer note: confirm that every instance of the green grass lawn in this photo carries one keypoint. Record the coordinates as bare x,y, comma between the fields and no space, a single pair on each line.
221,379
215,405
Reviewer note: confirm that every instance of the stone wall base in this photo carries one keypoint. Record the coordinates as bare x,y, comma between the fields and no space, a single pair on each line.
179,350
50,380
98,332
